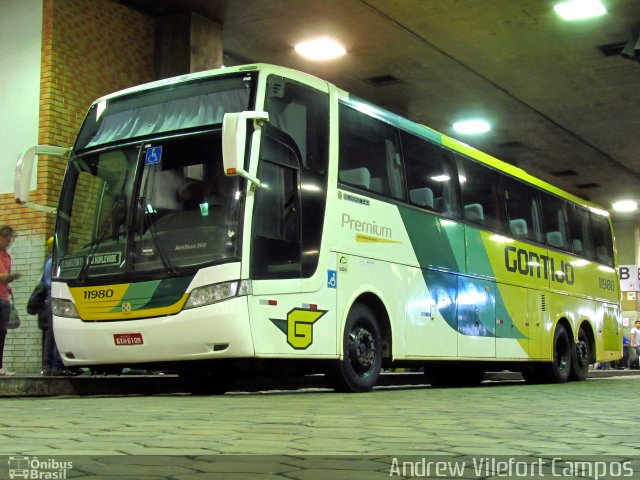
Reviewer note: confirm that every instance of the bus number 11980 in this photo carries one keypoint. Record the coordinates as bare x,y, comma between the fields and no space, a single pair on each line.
98,293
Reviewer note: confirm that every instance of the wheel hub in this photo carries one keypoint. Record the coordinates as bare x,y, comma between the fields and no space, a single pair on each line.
362,348
582,353
562,357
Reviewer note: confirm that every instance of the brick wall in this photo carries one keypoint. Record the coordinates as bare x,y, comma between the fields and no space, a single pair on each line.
89,48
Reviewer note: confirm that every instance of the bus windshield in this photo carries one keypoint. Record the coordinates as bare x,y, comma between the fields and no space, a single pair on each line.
159,206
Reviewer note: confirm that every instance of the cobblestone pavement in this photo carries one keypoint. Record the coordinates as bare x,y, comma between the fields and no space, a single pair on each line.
495,419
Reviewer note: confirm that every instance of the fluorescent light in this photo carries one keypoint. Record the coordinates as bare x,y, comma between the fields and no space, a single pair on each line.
441,178
625,206
579,9
320,49
472,126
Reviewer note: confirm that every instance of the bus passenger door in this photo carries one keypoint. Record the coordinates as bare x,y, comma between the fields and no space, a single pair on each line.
611,335
512,322
538,322
476,318
292,309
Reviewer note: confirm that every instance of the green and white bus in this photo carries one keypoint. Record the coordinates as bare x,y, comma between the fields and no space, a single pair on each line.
256,216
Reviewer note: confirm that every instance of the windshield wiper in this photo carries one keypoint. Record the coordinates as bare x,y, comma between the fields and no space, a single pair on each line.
118,207
166,263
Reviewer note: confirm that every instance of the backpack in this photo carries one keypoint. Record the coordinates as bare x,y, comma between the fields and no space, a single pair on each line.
37,299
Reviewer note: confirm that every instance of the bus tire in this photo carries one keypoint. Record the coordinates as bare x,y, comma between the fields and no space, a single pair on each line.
359,369
559,370
581,356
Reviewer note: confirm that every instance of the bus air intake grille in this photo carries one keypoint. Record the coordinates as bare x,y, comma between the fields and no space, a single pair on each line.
543,303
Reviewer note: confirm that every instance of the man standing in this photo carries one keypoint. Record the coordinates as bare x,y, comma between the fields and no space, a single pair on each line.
6,277
52,365
635,338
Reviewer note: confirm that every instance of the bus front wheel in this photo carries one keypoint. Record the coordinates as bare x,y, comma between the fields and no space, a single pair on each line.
559,370
359,369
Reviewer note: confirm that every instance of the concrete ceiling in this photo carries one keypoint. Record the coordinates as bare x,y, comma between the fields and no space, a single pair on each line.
560,108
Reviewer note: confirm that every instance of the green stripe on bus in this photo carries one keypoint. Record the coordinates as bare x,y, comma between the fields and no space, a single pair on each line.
435,241
137,294
169,292
154,293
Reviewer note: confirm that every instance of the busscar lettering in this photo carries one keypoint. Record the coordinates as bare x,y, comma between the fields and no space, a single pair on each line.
532,264
354,199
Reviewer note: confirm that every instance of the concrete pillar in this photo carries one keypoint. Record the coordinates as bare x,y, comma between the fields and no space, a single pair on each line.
187,43
627,235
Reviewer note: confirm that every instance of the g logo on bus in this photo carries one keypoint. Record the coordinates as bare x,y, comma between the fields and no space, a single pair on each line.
126,308
298,327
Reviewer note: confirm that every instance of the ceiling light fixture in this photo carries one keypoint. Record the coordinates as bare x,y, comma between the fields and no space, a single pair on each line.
579,9
625,206
441,178
472,126
320,49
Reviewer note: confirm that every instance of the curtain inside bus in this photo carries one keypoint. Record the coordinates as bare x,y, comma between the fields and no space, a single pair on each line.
159,111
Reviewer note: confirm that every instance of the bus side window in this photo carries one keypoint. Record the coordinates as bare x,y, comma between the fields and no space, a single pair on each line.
370,155
602,239
522,210
430,175
555,221
579,231
482,195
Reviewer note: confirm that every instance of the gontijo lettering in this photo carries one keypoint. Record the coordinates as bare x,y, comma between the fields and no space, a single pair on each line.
540,266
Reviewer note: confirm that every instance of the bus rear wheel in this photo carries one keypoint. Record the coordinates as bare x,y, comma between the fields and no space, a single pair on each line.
359,369
581,356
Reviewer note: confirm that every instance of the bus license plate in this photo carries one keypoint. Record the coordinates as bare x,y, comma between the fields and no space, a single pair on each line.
128,338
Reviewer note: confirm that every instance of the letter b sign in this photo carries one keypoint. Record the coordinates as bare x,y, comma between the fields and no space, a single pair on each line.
624,273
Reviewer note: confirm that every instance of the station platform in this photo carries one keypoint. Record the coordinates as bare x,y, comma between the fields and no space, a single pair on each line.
136,384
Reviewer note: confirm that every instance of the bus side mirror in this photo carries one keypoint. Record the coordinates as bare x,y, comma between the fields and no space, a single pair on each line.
24,172
234,141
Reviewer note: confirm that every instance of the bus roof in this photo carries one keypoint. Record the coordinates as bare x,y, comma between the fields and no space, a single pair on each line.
377,112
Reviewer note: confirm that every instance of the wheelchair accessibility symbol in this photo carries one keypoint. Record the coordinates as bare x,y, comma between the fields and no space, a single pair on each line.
153,155
332,279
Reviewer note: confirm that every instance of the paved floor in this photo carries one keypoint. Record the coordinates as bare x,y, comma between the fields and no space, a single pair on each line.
595,417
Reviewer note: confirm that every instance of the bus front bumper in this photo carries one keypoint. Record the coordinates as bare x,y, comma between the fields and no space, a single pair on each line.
214,331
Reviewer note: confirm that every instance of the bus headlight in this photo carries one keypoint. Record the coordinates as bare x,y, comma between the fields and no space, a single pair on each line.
215,293
63,308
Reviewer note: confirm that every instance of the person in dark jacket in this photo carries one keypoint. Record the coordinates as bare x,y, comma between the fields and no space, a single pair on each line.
52,363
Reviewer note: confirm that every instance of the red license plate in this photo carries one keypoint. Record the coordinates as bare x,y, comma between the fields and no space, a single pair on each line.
128,338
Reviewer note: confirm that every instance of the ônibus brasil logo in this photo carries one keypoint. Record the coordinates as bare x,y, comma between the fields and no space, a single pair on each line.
34,468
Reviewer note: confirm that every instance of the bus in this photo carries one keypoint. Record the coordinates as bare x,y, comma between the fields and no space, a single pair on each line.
256,217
